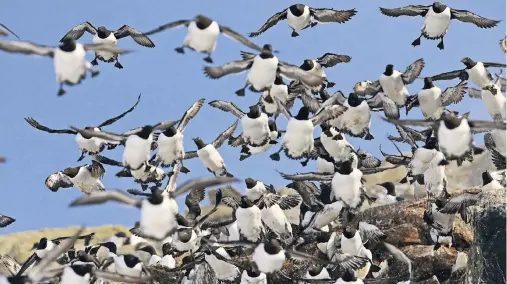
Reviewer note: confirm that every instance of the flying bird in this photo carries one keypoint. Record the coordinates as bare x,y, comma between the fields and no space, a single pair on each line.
105,36
202,35
6,221
437,19
300,17
87,178
68,58
474,71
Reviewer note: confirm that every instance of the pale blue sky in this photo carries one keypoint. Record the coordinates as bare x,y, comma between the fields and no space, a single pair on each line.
171,82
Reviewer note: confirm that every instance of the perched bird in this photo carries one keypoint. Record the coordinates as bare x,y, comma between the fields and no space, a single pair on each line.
87,144
138,142
262,71
87,178
256,131
68,58
437,19
474,71
103,35
300,17
170,142
6,221
209,154
4,31
432,100
202,35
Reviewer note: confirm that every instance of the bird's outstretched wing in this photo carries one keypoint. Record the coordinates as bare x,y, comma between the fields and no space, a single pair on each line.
190,113
101,134
225,135
170,25
410,10
100,197
26,47
37,125
6,221
328,113
273,20
469,17
230,33
232,67
2,26
398,254
486,125
199,183
106,47
311,102
413,71
330,59
227,107
451,75
503,44
498,159
116,118
136,35
324,15
474,93
370,232
77,32
454,95
58,180
307,176
296,73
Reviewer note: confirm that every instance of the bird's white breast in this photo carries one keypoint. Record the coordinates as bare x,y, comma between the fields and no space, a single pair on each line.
275,219
137,151
202,40
298,138
337,148
261,279
70,66
185,246
157,220
256,191
354,119
436,25
421,159
479,75
211,158
91,145
299,23
168,261
223,270
111,39
249,222
170,148
268,263
353,245
495,104
430,102
347,187
324,274
70,277
262,74
324,166
122,268
394,87
455,142
256,130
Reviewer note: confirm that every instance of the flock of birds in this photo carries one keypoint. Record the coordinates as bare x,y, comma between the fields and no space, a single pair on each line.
263,232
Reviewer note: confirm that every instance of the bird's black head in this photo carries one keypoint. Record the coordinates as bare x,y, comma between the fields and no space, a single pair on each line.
145,132
451,121
68,45
250,183
272,246
297,9
272,125
431,143
199,143
82,269
469,63
389,70
438,7
156,197
43,243
170,132
82,256
307,65
149,249
269,99
131,260
71,172
182,221
102,32
253,273
315,270
345,168
428,83
167,249
245,202
202,22
349,276
110,246
322,238
486,178
279,80
254,111
391,190
184,235
267,51
354,100
303,113
326,129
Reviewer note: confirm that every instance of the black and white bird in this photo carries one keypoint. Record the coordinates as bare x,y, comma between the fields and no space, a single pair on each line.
489,184
298,138
248,217
87,144
454,134
432,101
317,66
103,35
4,31
6,221
492,98
255,189
280,91
158,217
170,142
69,58
503,44
474,71
256,131
87,178
393,82
437,19
138,142
300,17
248,150
202,35
83,273
208,153
262,71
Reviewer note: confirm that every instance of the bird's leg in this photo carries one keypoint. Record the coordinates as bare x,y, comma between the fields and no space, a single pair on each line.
417,41
117,64
241,92
313,24
368,135
305,162
330,84
441,43
180,49
183,169
244,157
208,58
294,33
276,156
82,156
61,91
94,61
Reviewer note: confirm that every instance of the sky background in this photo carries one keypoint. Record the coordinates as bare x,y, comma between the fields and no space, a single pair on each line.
171,82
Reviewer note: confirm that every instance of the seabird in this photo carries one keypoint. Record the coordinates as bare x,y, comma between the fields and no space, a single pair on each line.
104,36
262,71
300,17
437,19
476,72
68,58
248,217
202,35
493,99
87,144
248,150
87,178
280,91
6,221
503,44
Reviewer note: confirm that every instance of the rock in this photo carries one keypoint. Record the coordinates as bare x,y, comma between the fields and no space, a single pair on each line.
486,262
431,280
